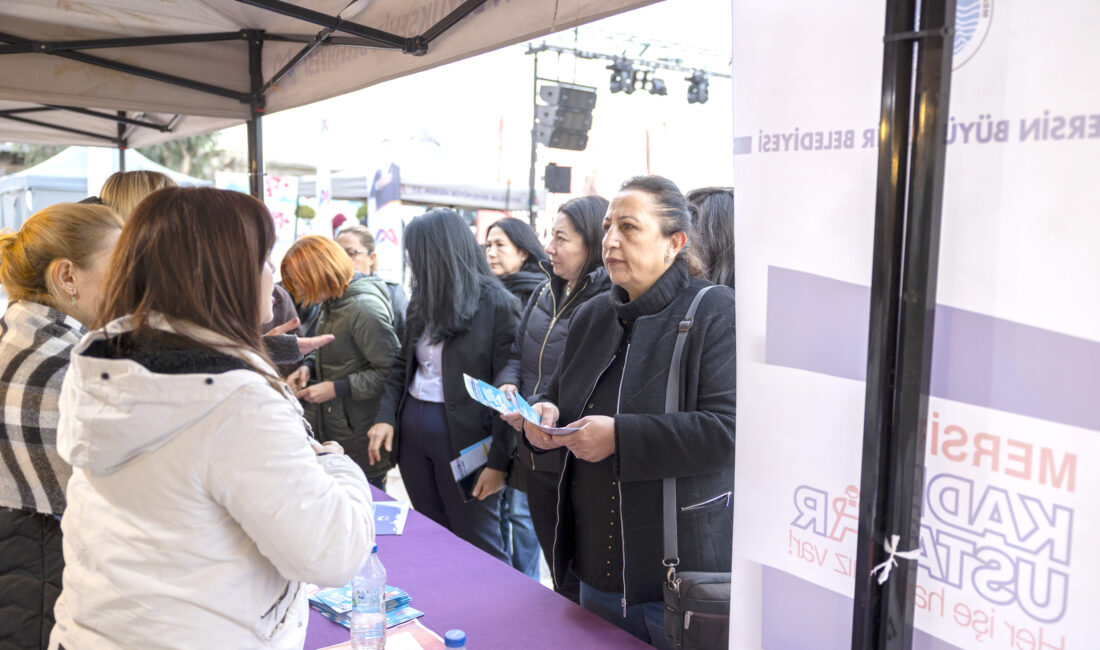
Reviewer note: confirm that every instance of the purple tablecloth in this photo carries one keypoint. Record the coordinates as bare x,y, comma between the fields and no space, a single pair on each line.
456,585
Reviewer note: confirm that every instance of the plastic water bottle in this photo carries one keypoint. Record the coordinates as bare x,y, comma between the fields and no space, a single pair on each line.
368,613
455,639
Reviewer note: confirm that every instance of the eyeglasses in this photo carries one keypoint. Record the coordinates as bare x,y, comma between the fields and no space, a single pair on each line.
352,252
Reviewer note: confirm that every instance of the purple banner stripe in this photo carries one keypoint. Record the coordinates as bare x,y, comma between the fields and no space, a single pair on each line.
817,324
797,614
820,324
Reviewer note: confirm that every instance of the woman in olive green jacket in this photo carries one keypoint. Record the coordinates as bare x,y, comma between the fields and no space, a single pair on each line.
342,382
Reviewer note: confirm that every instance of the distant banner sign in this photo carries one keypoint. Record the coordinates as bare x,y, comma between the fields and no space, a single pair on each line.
470,196
1013,431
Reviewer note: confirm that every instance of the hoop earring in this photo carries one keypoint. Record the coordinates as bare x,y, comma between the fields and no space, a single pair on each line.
72,294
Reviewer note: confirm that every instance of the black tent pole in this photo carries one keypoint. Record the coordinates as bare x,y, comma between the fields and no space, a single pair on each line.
121,141
255,131
903,295
534,143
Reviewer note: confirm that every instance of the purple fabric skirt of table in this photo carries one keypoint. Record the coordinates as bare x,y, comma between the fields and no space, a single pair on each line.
458,586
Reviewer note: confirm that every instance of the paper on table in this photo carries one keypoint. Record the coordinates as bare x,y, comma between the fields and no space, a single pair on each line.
500,401
389,517
421,636
402,641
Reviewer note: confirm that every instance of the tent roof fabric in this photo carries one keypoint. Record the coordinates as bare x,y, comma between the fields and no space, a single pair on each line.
219,69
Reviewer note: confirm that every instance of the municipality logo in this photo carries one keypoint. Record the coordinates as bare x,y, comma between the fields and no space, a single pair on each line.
972,21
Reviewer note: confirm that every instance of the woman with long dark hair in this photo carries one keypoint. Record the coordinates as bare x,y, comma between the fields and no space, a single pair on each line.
461,320
713,221
199,505
611,384
514,255
575,275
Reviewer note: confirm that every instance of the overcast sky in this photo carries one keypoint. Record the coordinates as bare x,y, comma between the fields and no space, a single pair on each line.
479,111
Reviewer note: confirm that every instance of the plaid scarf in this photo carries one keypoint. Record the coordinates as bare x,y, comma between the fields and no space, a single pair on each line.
35,342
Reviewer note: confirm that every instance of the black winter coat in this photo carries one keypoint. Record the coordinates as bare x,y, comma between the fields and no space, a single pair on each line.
481,351
539,342
696,445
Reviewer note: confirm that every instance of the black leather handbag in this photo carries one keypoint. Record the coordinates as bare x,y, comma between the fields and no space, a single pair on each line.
697,603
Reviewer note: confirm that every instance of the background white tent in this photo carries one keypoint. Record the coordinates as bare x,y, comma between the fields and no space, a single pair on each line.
430,174
73,174
48,64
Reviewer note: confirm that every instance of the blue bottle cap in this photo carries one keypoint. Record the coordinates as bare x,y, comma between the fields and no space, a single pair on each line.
374,549
454,639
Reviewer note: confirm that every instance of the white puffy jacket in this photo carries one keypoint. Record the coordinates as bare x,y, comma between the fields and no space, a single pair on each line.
196,508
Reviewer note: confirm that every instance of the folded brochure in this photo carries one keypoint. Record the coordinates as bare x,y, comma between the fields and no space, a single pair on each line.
502,402
467,467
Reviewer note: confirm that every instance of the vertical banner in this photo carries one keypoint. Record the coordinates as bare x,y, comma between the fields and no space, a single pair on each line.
1006,555
806,101
322,222
280,196
387,224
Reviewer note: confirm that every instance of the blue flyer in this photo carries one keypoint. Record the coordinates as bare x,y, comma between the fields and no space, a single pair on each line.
502,402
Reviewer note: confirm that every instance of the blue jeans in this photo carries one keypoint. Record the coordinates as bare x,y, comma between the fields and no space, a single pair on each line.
645,621
518,531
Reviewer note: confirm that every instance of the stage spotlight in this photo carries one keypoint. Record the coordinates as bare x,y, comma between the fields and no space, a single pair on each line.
622,76
699,88
637,80
658,87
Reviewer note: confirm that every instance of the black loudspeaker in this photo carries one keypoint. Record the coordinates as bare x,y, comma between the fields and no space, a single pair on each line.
564,120
558,179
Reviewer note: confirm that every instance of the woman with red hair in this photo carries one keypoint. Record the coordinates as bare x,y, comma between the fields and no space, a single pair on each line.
343,381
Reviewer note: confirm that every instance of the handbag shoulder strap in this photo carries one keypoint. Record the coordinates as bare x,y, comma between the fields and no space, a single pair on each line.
672,405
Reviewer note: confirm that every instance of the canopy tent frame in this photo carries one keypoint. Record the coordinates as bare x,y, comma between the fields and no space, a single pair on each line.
361,36
915,97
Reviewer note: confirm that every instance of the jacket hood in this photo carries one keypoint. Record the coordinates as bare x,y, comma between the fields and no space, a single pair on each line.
362,284
114,410
361,287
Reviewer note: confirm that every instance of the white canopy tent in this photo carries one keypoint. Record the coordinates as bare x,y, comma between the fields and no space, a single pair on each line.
129,73
73,174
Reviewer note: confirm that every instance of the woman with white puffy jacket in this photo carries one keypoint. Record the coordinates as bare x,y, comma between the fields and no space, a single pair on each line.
199,503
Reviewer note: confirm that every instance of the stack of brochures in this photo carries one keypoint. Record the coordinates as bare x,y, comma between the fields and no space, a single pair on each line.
335,605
